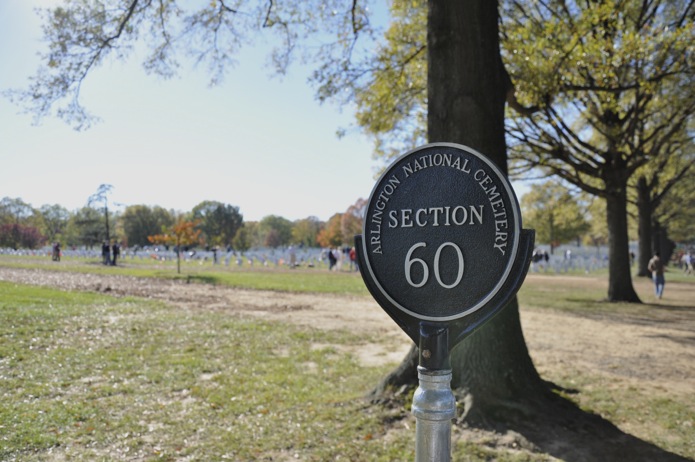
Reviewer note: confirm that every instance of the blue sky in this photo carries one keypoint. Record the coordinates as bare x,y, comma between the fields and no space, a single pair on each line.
261,143
258,142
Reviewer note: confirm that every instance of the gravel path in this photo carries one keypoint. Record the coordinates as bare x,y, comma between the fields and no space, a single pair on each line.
656,353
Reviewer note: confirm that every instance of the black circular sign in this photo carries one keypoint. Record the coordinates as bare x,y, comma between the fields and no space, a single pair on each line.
441,232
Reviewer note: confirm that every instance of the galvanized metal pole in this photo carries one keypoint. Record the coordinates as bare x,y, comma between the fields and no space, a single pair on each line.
434,404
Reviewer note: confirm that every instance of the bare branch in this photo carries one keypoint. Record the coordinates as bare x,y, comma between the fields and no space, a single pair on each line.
224,6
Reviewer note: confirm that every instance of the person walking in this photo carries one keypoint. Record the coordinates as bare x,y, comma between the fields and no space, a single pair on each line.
332,260
353,259
116,251
687,263
656,266
105,253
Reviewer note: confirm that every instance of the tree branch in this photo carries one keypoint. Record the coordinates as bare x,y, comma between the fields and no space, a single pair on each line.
224,6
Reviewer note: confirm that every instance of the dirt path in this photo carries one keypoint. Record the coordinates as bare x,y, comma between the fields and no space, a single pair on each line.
652,347
648,349
656,353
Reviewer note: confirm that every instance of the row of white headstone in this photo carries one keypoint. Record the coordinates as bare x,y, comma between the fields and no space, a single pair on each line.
563,259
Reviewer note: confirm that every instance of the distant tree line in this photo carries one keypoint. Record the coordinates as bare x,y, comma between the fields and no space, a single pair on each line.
557,213
560,215
219,224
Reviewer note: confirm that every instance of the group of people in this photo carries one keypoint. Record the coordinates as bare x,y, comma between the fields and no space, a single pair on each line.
335,256
56,251
110,254
539,257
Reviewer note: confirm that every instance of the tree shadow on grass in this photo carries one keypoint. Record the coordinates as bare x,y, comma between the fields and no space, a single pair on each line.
551,425
558,427
199,278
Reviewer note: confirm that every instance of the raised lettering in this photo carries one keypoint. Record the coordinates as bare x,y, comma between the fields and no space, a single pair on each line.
478,214
408,170
453,215
459,215
406,221
501,247
376,217
436,211
501,224
417,217
492,192
465,168
393,219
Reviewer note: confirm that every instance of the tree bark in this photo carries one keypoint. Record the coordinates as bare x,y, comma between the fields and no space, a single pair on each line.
106,219
493,371
466,81
644,218
661,243
620,287
467,87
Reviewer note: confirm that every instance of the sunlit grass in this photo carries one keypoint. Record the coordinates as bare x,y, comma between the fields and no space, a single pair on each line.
667,421
89,377
318,280
85,376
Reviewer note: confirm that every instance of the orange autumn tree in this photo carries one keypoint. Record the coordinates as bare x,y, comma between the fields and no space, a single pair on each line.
181,233
331,235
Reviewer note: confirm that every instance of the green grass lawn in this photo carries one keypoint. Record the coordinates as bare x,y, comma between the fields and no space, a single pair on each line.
89,377
318,280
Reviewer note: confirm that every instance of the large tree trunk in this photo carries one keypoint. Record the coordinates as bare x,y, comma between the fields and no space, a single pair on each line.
493,371
661,243
620,287
467,85
106,219
644,218
466,81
